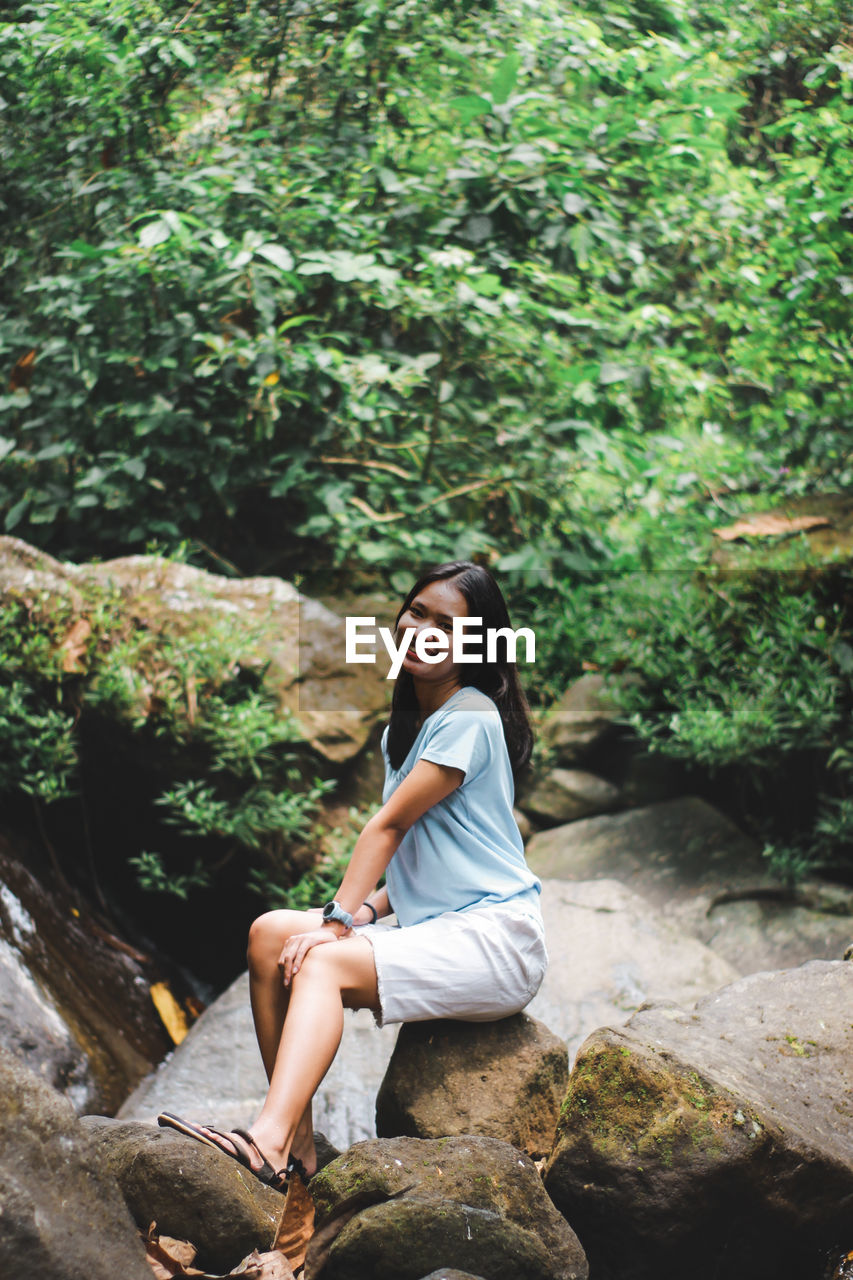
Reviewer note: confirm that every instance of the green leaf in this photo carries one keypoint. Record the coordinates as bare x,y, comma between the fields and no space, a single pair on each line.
154,233
470,106
15,514
504,79
277,255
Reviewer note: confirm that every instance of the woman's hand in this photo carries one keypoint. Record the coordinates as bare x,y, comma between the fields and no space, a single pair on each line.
297,947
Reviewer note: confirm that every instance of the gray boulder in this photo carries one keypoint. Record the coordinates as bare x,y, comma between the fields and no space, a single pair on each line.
302,649
63,1215
565,795
672,849
502,1079
450,1273
74,1001
202,1082
609,952
580,720
699,869
399,1208
191,1191
718,1141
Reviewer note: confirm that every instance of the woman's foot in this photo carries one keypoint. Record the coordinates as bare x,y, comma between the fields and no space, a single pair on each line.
302,1153
239,1145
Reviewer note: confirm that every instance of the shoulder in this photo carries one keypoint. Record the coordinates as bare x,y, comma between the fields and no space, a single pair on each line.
467,703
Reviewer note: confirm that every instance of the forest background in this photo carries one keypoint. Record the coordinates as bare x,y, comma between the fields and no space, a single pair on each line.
333,291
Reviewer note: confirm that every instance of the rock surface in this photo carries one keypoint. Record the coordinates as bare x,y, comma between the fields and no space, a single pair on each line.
690,861
719,1141
216,1074
450,1273
610,950
502,1080
580,720
398,1208
61,1213
667,850
565,795
302,647
191,1191
66,988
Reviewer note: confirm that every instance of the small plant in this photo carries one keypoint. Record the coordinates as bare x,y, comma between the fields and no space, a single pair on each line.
60,668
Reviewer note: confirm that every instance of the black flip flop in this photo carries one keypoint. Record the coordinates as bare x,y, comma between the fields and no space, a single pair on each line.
270,1177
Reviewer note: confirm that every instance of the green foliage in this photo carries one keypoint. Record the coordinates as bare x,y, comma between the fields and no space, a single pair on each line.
321,882
407,281
743,675
364,286
181,699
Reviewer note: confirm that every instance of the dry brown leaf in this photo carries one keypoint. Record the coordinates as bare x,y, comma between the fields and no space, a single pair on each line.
168,1257
22,371
263,1266
770,526
296,1225
73,646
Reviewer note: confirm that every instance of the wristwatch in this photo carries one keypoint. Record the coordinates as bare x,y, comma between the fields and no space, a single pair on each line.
334,911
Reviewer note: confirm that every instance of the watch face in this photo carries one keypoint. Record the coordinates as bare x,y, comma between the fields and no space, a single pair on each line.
328,910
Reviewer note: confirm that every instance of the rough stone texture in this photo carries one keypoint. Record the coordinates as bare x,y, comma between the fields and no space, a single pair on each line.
722,1136
474,1204
580,720
662,850
191,1191
203,1082
610,951
450,1273
303,650
773,929
502,1079
66,988
698,868
565,795
61,1212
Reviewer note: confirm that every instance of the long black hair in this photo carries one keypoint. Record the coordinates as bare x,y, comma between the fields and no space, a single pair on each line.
498,679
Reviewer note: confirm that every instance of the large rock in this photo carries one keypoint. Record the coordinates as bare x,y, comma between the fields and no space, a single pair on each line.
701,871
61,1212
299,643
67,987
191,1191
565,795
502,1079
610,951
672,849
216,1073
398,1208
719,1141
580,720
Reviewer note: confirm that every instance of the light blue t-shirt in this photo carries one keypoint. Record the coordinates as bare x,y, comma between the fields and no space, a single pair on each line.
466,851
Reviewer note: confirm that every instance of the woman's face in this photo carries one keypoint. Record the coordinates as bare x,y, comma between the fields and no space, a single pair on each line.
434,607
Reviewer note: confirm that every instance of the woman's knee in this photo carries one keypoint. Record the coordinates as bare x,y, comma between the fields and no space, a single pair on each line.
268,934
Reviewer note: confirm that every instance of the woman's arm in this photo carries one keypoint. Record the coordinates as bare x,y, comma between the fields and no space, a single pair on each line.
380,903
426,785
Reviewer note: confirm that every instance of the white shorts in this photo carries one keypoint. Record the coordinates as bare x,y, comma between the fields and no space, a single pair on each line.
476,965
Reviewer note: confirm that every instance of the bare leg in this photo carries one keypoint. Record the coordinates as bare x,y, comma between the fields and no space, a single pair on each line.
270,999
299,1028
332,977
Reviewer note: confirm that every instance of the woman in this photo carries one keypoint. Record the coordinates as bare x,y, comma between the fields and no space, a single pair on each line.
469,942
